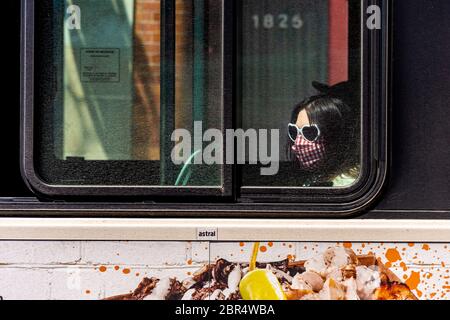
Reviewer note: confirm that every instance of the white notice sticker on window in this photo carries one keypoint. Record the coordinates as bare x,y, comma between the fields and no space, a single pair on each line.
100,65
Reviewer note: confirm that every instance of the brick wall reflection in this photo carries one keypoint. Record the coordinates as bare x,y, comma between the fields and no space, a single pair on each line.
146,74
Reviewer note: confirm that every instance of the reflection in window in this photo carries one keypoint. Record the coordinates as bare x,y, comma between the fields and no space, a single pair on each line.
132,72
111,70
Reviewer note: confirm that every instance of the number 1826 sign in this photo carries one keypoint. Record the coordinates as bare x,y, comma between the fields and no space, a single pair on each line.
280,21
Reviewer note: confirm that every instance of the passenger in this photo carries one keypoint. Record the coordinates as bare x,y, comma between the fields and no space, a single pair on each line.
324,138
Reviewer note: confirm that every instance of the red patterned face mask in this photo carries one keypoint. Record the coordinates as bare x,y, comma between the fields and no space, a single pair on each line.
309,154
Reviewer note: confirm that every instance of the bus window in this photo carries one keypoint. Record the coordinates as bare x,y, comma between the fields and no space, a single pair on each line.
249,101
301,76
134,79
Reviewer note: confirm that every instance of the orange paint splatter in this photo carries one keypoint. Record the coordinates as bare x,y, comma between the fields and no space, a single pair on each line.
126,271
116,268
138,274
403,265
426,247
88,291
189,273
413,280
348,245
102,269
411,244
270,244
189,262
432,295
263,249
242,244
393,255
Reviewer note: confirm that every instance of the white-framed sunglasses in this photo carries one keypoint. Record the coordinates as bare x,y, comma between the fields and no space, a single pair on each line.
310,133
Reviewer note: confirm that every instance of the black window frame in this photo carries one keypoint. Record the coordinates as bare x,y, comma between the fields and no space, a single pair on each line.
230,200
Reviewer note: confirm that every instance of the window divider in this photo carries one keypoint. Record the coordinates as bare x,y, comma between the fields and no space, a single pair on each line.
167,116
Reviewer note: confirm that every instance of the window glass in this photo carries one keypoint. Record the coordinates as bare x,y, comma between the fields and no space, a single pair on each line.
134,91
301,80
138,89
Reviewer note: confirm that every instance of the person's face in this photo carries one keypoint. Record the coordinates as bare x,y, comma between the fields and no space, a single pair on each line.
309,153
302,119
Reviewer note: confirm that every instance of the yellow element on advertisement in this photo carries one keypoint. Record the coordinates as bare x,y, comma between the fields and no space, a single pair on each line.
260,284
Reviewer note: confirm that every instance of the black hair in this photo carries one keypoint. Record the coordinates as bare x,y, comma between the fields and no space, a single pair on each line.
339,129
